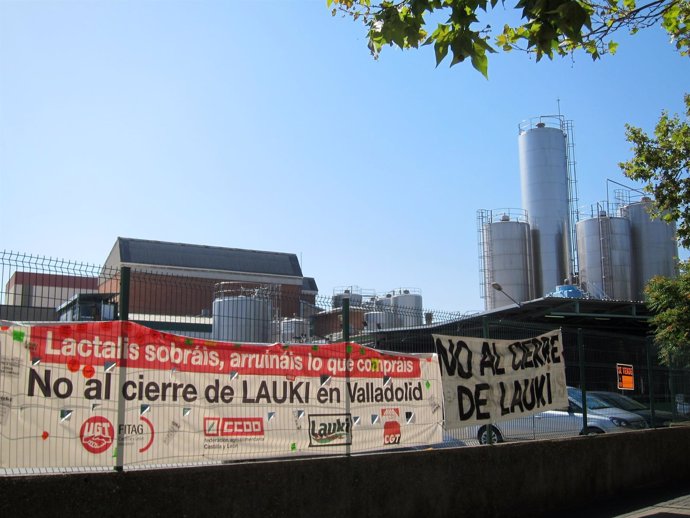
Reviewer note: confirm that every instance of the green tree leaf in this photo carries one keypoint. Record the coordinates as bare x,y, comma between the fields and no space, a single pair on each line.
662,161
545,28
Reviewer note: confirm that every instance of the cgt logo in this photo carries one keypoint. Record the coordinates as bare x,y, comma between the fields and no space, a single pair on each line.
330,430
391,427
233,426
391,433
96,434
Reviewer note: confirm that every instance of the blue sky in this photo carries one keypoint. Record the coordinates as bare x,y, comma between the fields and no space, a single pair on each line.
266,124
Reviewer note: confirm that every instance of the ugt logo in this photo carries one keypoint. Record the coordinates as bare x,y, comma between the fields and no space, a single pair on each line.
97,434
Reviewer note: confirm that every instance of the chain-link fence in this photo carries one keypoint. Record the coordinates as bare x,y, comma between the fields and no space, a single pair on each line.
248,369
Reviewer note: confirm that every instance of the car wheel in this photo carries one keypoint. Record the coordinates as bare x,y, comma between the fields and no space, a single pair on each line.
591,430
483,435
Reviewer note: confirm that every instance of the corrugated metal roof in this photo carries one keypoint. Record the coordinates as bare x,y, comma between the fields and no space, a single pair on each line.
596,317
160,253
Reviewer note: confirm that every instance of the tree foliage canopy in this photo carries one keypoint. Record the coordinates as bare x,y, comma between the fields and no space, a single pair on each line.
663,162
669,299
547,27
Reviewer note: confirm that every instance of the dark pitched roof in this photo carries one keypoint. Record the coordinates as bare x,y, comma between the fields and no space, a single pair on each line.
309,284
160,253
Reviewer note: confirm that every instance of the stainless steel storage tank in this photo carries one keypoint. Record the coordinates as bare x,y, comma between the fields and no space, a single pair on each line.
604,252
385,303
242,318
544,185
379,320
294,330
353,293
507,257
654,245
407,307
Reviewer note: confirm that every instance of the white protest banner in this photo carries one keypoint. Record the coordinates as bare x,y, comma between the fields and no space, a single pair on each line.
87,394
488,381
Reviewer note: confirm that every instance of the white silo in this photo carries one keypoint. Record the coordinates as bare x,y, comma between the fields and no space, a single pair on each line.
242,318
353,293
407,307
604,247
377,320
655,250
506,256
543,147
385,303
295,330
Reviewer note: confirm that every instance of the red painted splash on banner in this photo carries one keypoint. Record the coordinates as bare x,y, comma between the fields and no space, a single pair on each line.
88,371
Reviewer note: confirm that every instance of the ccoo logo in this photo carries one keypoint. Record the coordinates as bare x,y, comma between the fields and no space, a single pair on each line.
97,434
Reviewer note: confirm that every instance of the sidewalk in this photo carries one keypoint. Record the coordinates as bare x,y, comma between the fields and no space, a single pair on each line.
679,506
657,503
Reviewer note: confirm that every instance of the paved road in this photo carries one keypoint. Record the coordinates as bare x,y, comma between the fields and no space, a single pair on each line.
657,503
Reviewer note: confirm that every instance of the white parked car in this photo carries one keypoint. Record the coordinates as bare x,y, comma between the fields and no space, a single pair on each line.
601,418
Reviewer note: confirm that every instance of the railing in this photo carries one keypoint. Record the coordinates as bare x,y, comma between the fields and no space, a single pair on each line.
189,370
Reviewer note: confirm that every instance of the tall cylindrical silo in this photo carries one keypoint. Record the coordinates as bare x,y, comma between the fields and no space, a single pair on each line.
507,260
544,185
604,253
655,250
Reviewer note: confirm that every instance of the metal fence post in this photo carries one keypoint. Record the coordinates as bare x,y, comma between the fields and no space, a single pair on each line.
346,318
485,335
650,380
583,381
672,388
346,339
125,273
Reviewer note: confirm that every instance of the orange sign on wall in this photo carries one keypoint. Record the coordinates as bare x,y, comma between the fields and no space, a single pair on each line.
626,380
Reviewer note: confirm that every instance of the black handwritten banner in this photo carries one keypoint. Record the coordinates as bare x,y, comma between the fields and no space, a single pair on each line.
487,381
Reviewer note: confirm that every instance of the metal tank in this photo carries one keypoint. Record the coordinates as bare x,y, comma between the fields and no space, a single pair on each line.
654,246
407,307
505,245
242,318
544,181
353,293
294,330
604,247
379,320
385,303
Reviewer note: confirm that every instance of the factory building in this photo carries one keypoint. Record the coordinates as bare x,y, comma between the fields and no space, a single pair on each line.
546,249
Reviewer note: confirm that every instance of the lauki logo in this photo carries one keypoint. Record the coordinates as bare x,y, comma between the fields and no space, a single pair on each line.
330,430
